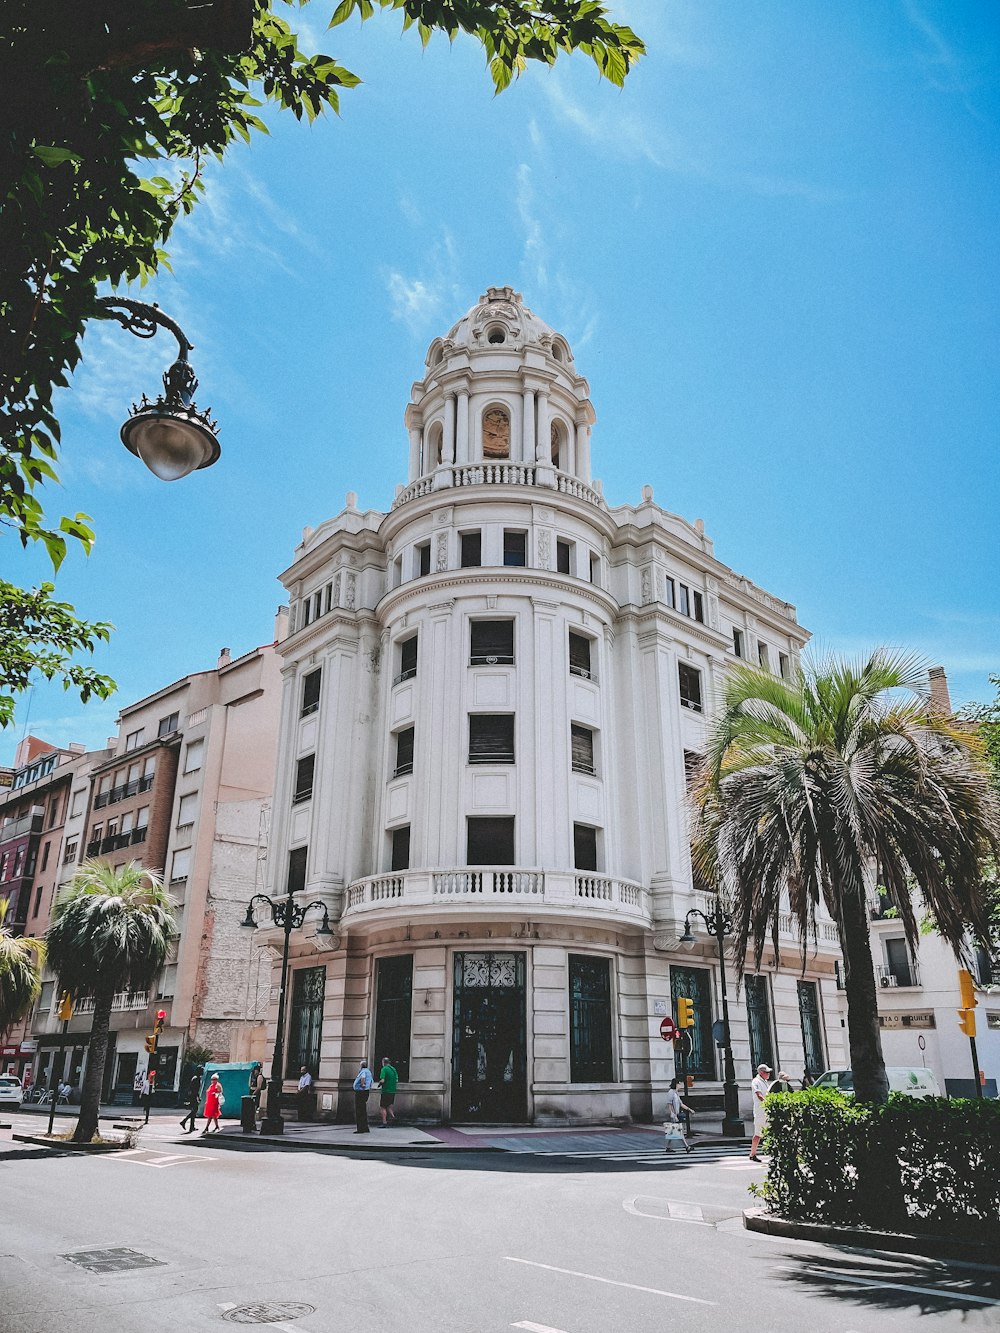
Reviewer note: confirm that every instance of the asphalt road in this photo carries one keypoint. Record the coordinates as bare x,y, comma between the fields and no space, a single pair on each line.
462,1243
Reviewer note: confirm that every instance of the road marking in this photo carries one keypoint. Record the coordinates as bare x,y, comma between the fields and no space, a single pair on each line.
148,1157
537,1328
592,1277
677,1210
852,1279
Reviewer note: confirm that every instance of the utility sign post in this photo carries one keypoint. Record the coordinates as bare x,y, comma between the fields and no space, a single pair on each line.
669,1030
967,1021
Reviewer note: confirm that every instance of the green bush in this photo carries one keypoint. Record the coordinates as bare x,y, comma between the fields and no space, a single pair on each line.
923,1165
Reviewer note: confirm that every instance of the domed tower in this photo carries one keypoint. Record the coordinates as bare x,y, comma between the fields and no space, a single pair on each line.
493,695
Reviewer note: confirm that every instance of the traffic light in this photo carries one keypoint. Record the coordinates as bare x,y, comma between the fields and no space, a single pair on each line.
161,1015
65,1010
151,1045
967,1021
967,988
685,1012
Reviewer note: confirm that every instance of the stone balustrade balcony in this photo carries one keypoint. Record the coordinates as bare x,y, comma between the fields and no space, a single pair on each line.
499,473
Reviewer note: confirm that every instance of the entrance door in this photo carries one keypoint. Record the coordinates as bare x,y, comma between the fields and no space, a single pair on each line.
488,1051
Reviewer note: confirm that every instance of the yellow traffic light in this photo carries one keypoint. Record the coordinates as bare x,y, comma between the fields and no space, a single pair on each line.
685,1012
967,1021
65,1010
151,1044
967,989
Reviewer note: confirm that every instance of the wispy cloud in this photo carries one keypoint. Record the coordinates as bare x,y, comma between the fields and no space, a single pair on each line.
414,302
424,299
947,70
535,259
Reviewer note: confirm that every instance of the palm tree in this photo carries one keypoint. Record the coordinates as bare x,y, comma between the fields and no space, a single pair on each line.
21,960
111,931
812,785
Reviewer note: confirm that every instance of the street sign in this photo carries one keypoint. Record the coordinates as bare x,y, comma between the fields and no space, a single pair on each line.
669,1030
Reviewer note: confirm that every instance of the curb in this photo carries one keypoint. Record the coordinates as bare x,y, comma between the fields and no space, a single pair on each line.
66,1146
932,1247
239,1142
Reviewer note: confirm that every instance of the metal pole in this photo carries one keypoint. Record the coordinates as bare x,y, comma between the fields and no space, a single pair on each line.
52,1071
975,1067
732,1124
273,1123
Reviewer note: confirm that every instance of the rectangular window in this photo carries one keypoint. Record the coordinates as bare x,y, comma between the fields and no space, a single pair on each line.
689,678
684,599
582,749
759,1021
168,725
515,548
762,656
898,959
310,691
69,856
327,598
579,656
45,998
53,812
490,842
393,1013
317,605
128,821
193,756
595,570
491,643
471,549
180,865
491,738
692,768
407,660
306,612
404,752
45,858
668,592
148,773
784,667
38,901
738,646
304,772
142,817
590,1057
584,847
305,1022
562,557
696,984
297,869
400,848
187,808
79,802
424,558
698,601
134,739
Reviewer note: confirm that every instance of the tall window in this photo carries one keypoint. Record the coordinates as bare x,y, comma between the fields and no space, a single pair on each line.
168,724
404,752
297,869
762,657
304,772
668,592
759,1021
579,656
471,549
584,847
738,644
424,558
407,660
305,1024
689,680
590,1054
812,1028
698,606
192,757
515,548
491,643
491,738
187,808
683,599
695,983
180,865
562,557
393,1012
490,842
310,691
784,666
582,748
400,848
133,739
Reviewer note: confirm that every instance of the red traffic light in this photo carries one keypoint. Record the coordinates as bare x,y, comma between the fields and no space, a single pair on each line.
161,1014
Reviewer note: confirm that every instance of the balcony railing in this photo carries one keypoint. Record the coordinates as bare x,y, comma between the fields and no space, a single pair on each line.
897,976
499,473
124,1001
568,890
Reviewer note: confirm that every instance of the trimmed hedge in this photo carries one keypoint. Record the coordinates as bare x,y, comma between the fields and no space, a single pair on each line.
920,1165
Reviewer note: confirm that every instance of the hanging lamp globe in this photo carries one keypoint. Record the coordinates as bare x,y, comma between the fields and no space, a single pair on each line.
169,434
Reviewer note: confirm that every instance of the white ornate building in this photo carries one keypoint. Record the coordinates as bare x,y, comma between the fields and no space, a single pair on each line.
491,694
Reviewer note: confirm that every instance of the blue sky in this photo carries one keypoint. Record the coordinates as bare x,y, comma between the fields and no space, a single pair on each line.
774,253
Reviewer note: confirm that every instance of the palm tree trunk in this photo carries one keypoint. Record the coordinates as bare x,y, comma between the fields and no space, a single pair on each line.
90,1097
870,1082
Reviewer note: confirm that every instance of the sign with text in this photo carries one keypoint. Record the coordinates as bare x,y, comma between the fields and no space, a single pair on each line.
669,1030
905,1021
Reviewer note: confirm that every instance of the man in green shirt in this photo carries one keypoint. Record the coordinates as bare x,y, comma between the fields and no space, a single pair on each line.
388,1081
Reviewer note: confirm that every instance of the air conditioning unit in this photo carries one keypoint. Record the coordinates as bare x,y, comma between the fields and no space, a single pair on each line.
889,980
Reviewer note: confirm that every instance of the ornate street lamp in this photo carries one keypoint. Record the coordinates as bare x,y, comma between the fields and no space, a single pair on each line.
720,924
169,434
288,914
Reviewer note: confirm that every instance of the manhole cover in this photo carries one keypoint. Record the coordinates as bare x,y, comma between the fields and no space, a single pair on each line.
271,1313
112,1261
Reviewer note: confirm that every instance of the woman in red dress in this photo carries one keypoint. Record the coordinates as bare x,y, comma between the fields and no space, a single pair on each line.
213,1104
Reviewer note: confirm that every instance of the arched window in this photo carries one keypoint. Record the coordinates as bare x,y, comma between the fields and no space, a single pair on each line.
435,440
560,458
496,433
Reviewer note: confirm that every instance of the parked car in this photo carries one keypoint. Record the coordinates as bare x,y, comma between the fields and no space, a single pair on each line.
914,1082
11,1092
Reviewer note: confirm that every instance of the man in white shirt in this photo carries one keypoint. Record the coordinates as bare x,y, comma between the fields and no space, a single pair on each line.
362,1086
760,1087
304,1098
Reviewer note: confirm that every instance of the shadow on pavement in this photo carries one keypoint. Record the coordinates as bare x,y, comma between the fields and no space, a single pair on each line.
925,1286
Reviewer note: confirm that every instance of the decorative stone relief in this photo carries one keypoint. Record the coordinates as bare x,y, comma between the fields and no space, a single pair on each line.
441,561
336,591
351,591
544,548
713,603
496,433
646,587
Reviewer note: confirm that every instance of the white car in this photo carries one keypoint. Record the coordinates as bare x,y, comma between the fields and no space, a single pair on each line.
11,1092
914,1082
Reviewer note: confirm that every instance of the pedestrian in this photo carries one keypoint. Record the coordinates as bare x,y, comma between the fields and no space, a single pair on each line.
257,1085
362,1087
214,1101
675,1107
148,1087
304,1096
388,1081
782,1083
807,1080
193,1093
760,1087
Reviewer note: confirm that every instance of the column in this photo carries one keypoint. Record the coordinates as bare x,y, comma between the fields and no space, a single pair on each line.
448,448
415,459
543,449
462,424
583,453
528,427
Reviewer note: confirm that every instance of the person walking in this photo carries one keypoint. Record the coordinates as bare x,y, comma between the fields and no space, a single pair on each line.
388,1081
146,1095
362,1087
193,1096
214,1100
674,1108
759,1088
257,1085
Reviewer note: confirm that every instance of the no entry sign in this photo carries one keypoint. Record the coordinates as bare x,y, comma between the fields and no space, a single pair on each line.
669,1030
